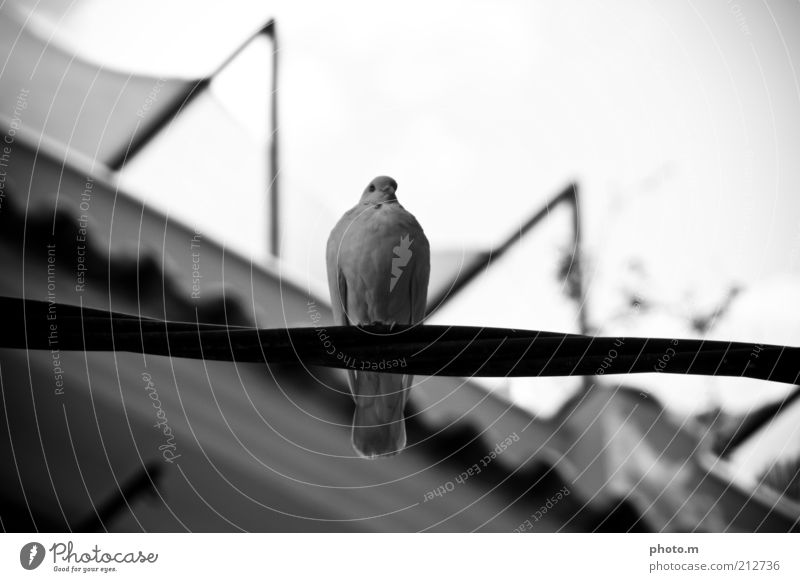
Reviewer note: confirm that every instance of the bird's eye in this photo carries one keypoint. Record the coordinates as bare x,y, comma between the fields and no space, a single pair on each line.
372,187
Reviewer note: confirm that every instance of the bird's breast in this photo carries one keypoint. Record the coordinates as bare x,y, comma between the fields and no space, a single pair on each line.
384,221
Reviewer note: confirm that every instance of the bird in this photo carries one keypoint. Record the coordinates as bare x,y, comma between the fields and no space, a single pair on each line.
378,266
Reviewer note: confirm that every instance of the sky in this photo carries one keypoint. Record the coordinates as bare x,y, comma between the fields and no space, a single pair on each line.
680,121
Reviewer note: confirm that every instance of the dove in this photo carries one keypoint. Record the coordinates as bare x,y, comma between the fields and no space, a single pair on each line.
378,263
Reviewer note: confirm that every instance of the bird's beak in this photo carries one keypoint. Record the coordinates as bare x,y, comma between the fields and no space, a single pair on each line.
388,189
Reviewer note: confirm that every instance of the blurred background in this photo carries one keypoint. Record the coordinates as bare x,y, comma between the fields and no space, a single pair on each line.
189,160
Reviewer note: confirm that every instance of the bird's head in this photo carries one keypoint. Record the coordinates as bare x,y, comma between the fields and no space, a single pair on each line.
381,189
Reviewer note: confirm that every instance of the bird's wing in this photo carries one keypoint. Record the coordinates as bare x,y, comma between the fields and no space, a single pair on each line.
337,283
418,287
420,275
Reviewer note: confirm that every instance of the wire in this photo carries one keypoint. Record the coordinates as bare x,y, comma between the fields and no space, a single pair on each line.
420,350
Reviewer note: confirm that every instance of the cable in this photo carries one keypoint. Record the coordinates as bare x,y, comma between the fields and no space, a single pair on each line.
419,350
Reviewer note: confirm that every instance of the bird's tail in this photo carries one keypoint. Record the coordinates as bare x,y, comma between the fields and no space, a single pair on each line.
378,424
